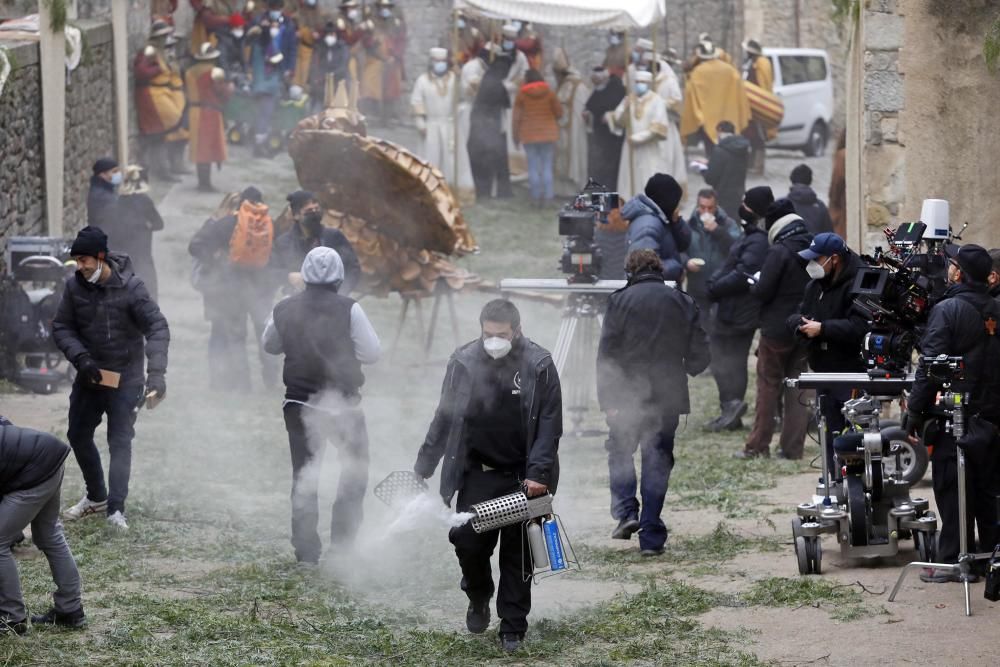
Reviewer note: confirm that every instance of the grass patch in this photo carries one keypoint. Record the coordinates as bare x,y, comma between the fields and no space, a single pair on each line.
844,602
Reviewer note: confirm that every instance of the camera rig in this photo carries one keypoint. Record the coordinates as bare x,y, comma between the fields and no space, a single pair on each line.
581,257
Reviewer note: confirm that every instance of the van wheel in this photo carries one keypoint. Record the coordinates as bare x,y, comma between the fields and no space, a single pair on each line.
818,137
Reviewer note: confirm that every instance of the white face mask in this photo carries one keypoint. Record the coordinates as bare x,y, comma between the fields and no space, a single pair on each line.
274,32
460,23
238,33
385,13
330,40
816,270
95,277
440,67
508,45
354,14
706,217
497,347
615,40
641,89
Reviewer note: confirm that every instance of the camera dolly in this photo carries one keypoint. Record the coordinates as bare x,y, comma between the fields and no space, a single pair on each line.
869,510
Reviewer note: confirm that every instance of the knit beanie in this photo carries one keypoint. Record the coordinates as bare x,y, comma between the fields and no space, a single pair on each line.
665,192
90,242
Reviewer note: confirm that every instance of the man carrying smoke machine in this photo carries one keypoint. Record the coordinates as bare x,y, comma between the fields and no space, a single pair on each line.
498,427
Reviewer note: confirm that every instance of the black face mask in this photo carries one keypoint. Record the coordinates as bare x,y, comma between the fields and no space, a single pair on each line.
747,216
313,222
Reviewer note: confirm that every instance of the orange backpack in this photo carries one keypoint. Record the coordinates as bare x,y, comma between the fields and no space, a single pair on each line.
250,244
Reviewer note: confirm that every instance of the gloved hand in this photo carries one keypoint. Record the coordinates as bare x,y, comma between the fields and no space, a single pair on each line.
156,382
88,369
913,423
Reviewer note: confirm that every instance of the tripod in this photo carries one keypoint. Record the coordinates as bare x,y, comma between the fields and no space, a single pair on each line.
955,402
576,353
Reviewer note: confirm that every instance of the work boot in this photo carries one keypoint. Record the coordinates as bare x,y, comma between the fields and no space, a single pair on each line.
651,553
17,627
511,641
732,411
73,619
477,618
625,528
175,154
204,177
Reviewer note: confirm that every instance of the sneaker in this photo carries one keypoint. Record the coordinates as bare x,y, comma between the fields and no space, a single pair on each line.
650,553
84,507
511,641
477,618
117,521
73,619
626,527
932,575
747,454
16,627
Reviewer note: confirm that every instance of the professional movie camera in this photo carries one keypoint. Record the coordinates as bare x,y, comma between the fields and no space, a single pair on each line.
581,258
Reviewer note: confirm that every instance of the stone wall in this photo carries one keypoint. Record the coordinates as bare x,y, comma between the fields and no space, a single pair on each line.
89,133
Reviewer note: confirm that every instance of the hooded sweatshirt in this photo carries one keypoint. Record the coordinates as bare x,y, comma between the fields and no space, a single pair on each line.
814,212
536,114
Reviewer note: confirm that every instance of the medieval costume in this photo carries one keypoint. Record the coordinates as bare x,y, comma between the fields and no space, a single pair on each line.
310,23
159,101
208,92
714,93
571,151
383,72
488,132
433,104
603,146
469,80
757,70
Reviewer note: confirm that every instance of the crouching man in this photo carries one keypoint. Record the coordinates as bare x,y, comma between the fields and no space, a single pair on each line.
325,338
498,427
31,474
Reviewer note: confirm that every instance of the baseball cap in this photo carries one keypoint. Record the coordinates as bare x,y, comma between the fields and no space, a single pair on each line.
824,245
972,259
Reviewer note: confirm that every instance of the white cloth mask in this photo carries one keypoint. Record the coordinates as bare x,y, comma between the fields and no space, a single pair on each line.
238,33
95,277
815,270
330,40
497,347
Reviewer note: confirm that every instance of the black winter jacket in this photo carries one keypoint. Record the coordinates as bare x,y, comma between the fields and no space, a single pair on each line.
813,211
956,327
712,247
314,327
838,346
541,414
101,200
783,281
730,287
28,458
652,336
109,321
292,247
727,171
650,229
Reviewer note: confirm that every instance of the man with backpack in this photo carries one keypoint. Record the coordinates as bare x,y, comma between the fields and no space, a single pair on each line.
236,280
963,324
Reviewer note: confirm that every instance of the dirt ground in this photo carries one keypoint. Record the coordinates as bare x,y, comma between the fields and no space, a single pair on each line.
187,452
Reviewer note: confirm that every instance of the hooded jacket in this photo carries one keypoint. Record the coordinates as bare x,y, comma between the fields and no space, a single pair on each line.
541,416
291,248
830,302
649,229
730,285
101,203
713,247
652,336
783,278
28,458
114,322
536,115
813,211
727,171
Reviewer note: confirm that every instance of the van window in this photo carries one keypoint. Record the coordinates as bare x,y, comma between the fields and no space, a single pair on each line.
802,69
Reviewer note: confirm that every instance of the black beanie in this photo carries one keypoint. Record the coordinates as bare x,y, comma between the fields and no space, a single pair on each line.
105,164
777,211
91,241
758,199
300,198
251,194
665,192
802,174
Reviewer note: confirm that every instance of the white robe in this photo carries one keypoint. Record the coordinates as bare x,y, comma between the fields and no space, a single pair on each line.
472,74
571,158
668,87
432,101
517,159
650,129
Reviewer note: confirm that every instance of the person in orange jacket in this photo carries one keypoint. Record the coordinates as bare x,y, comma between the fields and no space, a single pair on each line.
535,123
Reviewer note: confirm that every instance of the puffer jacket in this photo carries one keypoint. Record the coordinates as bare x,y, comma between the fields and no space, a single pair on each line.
783,279
113,322
28,458
649,229
536,114
730,285
813,211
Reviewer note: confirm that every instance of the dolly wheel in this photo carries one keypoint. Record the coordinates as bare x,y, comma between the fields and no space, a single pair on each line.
925,542
801,555
814,549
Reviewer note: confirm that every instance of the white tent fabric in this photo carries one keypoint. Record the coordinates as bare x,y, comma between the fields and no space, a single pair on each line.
593,13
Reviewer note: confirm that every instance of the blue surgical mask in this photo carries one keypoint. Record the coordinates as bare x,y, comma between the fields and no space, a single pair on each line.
517,25
116,179
461,24
615,40
275,14
440,67
385,13
508,45
641,88
635,56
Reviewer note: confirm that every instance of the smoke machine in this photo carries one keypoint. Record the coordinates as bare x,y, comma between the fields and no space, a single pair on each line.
551,551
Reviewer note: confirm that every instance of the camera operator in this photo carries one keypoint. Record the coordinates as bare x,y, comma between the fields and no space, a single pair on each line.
713,233
962,324
650,338
736,319
833,329
655,225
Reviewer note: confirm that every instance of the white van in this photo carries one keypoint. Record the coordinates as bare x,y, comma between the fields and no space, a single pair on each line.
804,82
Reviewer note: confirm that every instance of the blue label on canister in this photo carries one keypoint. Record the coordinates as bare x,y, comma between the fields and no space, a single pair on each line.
553,544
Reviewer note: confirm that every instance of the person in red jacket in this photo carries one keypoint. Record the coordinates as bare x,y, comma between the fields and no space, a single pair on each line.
535,124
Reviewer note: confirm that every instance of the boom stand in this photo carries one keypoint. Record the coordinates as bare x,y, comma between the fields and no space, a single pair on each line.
965,559
575,354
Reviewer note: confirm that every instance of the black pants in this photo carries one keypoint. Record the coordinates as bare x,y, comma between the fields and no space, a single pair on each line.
981,490
309,430
730,352
87,406
490,165
474,551
228,365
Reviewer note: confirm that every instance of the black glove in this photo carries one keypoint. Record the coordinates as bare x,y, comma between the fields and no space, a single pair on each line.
156,382
913,423
88,369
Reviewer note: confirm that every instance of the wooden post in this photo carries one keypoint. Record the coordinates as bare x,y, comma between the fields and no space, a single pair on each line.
52,63
119,33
